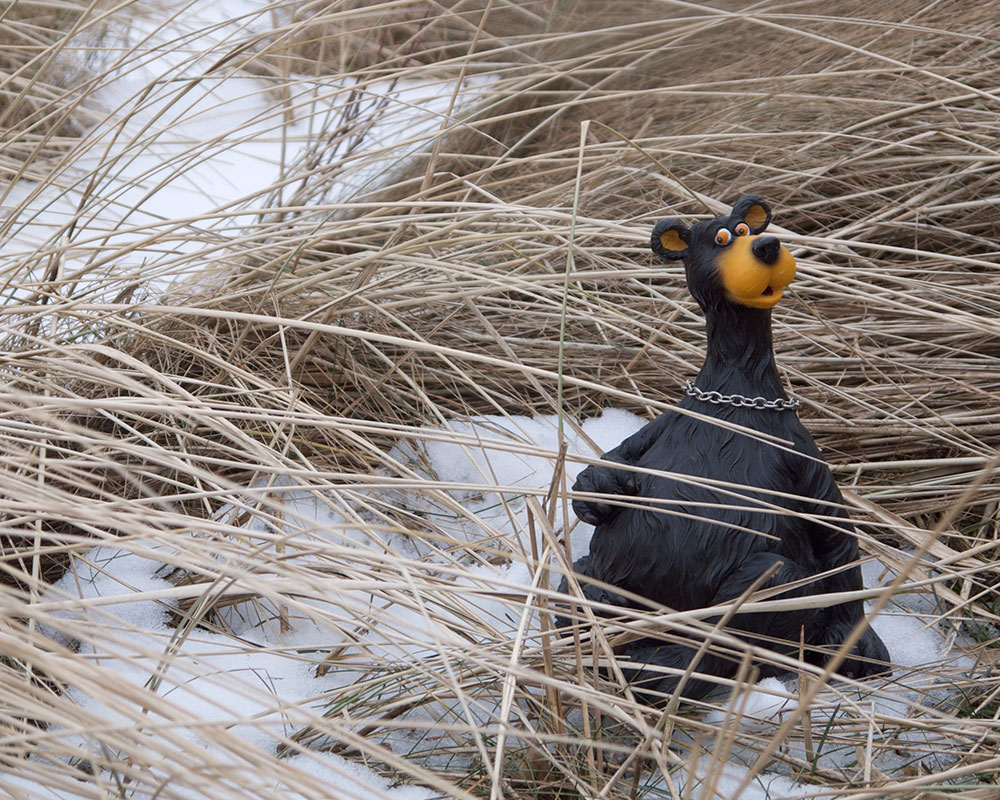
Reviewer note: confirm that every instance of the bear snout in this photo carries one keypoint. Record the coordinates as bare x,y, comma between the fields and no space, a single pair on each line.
766,249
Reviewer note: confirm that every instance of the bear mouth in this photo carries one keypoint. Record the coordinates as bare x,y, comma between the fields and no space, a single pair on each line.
768,292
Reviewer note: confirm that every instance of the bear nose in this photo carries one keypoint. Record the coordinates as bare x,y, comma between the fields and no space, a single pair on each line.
765,248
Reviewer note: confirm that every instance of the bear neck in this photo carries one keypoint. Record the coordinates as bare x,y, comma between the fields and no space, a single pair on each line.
740,357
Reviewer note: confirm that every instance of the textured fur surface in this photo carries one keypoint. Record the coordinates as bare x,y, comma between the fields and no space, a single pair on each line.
691,537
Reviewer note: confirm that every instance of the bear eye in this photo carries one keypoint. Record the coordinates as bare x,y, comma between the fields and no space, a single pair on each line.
742,229
723,236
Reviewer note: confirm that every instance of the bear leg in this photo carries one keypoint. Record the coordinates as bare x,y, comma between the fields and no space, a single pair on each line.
784,625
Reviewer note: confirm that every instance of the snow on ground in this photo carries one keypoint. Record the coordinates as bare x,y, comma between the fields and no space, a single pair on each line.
725,779
521,458
208,682
250,681
188,151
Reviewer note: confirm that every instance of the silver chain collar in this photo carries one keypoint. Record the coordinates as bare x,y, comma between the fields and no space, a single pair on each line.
740,400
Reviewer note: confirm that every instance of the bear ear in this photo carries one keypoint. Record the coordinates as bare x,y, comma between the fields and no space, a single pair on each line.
754,212
670,239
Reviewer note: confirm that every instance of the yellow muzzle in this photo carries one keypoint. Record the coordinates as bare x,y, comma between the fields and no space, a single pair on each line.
748,280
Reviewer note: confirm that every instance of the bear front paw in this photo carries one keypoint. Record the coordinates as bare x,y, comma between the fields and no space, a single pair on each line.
868,657
601,480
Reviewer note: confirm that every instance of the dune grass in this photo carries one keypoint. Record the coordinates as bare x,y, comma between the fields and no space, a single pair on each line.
168,383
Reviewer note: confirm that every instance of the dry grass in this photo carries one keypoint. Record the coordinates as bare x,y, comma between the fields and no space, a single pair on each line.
45,72
496,265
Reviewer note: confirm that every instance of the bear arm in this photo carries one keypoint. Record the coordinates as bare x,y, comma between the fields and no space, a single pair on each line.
635,446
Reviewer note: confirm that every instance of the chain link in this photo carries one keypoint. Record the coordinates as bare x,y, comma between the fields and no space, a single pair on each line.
740,400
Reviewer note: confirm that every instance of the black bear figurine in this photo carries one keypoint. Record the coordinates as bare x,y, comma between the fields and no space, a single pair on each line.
696,541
